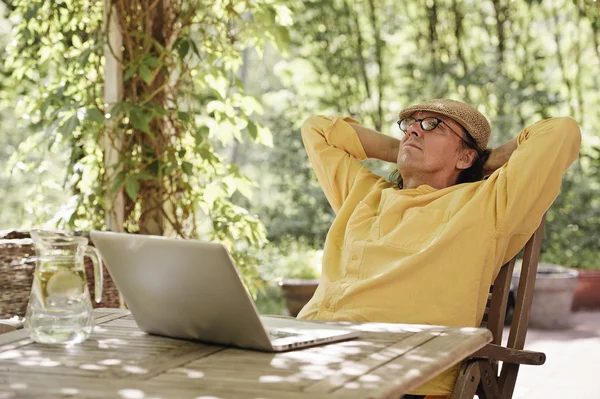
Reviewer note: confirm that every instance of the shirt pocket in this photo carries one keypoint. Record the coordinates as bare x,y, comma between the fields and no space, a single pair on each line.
361,219
418,229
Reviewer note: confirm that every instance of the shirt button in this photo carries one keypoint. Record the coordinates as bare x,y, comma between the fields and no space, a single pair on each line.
354,257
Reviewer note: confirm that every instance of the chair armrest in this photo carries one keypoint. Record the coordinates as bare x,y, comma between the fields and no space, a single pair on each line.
510,355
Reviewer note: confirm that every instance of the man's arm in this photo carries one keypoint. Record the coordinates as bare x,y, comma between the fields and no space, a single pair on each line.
499,156
525,187
377,145
335,153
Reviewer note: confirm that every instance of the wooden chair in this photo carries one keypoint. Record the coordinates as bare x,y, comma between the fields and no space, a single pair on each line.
481,373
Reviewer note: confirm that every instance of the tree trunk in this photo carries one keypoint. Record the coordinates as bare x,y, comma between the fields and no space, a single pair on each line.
149,31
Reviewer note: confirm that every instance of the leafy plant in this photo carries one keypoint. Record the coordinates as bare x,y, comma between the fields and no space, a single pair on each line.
573,221
158,148
290,258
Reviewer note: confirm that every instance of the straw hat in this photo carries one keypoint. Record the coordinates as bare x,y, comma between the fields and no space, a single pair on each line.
468,117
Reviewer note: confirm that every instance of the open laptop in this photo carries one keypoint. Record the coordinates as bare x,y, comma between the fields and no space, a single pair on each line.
191,289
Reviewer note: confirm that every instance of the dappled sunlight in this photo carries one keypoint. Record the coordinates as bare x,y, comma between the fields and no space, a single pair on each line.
131,394
420,358
470,330
396,328
11,354
271,378
113,353
111,343
394,366
192,373
369,378
353,368
110,362
94,367
135,369
33,359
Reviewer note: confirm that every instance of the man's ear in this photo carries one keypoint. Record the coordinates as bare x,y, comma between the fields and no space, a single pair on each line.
466,158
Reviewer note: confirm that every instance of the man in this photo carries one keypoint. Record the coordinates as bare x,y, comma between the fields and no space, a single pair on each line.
425,249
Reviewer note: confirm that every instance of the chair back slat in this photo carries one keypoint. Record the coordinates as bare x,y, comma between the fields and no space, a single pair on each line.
523,300
499,300
491,383
524,297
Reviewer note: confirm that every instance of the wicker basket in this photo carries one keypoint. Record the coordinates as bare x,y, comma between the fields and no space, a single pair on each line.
17,264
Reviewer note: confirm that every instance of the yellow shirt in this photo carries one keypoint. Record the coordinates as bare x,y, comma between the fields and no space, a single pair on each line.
422,255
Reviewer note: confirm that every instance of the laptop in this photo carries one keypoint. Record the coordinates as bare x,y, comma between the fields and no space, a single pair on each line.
190,289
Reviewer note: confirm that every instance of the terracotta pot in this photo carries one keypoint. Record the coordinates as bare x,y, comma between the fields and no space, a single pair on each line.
587,293
297,293
552,297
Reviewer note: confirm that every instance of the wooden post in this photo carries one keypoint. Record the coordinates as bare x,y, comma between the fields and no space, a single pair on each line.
113,93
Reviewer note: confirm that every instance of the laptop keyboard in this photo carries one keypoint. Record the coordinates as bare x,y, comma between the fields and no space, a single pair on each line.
275,334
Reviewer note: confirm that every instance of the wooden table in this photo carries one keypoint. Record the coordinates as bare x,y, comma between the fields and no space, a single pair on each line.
120,361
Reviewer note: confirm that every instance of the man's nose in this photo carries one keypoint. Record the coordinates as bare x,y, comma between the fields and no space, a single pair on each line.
415,129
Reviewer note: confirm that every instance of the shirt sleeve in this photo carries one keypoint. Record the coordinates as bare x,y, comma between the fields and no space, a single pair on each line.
526,186
335,153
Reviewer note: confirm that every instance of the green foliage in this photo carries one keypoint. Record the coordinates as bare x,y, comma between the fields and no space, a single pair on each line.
571,233
517,61
290,258
182,103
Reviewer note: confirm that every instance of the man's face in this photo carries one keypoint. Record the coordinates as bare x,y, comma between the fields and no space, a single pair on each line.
440,150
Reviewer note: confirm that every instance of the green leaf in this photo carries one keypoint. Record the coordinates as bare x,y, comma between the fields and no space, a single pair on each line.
187,168
140,121
129,73
252,130
145,74
144,176
94,115
282,37
218,84
70,125
184,48
132,187
184,116
118,108
118,181
76,40
195,48
264,136
153,62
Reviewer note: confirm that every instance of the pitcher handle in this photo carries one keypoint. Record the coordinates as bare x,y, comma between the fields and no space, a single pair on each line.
94,255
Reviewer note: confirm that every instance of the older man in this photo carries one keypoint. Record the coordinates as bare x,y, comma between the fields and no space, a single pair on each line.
426,248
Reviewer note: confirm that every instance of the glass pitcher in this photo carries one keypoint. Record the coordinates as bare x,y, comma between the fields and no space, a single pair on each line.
60,310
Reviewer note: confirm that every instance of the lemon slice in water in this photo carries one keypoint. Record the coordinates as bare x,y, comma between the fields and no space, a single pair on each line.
65,283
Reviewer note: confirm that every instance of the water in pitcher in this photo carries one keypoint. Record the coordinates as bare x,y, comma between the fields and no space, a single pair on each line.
60,310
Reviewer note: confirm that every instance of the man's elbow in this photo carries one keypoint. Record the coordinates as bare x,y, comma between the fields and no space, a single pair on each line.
569,129
315,122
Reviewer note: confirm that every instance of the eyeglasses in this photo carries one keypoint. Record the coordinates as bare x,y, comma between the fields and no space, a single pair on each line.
429,123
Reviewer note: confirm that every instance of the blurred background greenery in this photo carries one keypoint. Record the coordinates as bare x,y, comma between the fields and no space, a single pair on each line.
517,61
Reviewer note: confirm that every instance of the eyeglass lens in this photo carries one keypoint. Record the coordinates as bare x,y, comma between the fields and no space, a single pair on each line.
428,123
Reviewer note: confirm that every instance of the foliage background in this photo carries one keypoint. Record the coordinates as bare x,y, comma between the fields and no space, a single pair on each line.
517,60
